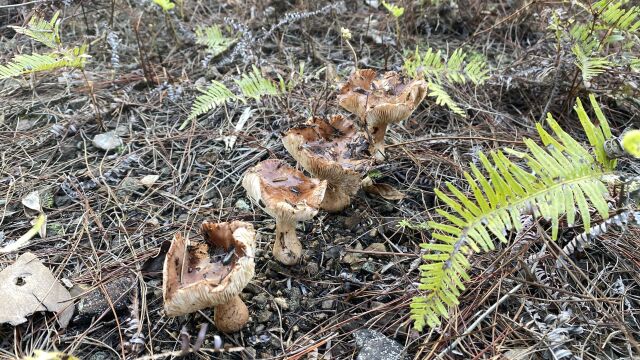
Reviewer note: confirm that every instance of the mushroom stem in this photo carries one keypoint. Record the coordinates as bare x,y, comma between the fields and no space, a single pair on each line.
335,199
231,316
287,249
376,148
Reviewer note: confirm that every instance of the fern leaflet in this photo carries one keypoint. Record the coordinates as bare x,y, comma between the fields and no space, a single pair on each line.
557,179
27,64
443,98
213,39
590,66
166,5
215,95
254,86
45,32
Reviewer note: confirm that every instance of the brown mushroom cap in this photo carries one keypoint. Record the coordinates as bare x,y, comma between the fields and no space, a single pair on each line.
381,101
194,280
363,93
330,149
283,191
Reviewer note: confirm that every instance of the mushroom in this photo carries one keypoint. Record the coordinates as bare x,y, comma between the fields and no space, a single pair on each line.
211,274
380,102
289,196
331,150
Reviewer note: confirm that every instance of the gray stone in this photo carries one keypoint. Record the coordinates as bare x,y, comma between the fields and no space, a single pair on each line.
263,316
242,205
107,141
327,305
261,299
375,346
94,303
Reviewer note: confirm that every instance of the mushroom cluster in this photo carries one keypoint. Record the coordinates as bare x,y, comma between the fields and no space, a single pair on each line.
214,272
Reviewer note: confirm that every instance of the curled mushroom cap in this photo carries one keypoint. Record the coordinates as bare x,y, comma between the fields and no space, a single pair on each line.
211,274
380,101
331,149
287,195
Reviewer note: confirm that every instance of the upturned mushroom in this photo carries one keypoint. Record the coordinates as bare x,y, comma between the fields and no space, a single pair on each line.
331,149
211,273
287,195
380,101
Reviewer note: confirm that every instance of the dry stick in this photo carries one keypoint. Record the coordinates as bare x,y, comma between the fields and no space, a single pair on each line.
441,138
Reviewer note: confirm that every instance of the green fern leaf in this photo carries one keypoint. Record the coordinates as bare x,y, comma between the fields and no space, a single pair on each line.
213,39
254,86
433,66
33,63
42,31
590,66
443,98
215,95
166,5
554,181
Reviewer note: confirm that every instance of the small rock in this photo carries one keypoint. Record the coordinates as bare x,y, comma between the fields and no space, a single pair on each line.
263,316
368,267
129,186
375,346
107,141
242,205
281,302
312,269
294,295
261,299
353,257
327,304
376,247
94,303
149,180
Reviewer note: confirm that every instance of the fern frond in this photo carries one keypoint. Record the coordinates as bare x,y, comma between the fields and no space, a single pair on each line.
45,32
27,64
591,66
443,98
213,39
254,86
166,5
560,179
434,66
615,17
215,95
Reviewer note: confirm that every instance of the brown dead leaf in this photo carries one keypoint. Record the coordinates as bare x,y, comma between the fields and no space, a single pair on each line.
27,286
385,191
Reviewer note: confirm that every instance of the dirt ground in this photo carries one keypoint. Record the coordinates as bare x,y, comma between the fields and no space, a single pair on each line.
106,228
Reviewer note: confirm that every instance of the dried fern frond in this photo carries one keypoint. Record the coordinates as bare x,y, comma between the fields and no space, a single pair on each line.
558,178
45,32
213,38
254,86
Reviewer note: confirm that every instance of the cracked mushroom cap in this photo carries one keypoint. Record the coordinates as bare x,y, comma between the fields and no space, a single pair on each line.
210,273
389,98
283,191
331,149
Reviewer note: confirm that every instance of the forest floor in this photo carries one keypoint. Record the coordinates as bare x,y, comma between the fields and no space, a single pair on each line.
108,219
